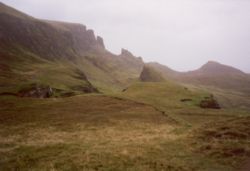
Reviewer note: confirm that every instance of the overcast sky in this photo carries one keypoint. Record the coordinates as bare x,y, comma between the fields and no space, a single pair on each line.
182,34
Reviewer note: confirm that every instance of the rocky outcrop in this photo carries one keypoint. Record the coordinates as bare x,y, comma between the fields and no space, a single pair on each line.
126,53
100,42
132,62
47,39
36,91
148,74
209,102
35,40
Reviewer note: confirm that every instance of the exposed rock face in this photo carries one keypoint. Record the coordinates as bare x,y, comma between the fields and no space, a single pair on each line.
210,102
126,53
35,40
148,74
48,39
132,62
36,91
100,42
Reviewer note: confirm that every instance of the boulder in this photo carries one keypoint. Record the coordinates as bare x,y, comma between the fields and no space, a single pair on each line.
36,91
209,102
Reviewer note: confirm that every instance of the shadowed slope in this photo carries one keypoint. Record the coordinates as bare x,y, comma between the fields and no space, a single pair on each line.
54,53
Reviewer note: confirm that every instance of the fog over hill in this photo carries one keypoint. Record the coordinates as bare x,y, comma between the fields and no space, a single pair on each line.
180,34
78,48
68,103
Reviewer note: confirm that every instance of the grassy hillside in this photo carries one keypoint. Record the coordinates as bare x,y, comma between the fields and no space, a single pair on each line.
109,72
229,99
229,85
21,70
167,94
156,124
97,132
211,74
60,48
181,103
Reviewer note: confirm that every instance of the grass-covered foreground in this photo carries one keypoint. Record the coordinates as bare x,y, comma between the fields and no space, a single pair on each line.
98,132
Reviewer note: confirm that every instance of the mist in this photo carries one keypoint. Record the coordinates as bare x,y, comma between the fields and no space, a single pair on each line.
182,34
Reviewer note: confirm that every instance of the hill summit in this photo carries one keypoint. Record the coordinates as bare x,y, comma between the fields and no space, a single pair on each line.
212,67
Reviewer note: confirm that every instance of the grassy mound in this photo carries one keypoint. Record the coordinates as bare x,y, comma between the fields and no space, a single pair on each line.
148,74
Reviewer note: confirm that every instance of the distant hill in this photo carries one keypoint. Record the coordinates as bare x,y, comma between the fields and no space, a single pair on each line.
230,86
212,74
62,55
221,76
212,67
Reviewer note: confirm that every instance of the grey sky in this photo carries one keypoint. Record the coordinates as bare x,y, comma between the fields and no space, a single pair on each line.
182,34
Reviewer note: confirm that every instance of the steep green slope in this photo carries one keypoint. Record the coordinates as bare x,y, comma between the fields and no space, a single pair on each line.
110,72
24,70
148,74
56,53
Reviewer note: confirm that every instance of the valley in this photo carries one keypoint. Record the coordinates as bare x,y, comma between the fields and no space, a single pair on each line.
67,103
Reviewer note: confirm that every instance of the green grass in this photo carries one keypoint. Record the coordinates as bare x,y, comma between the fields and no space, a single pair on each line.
231,99
145,127
166,95
27,69
98,132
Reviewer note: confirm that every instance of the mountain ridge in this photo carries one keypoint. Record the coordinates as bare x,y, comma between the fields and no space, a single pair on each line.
78,48
42,46
211,74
